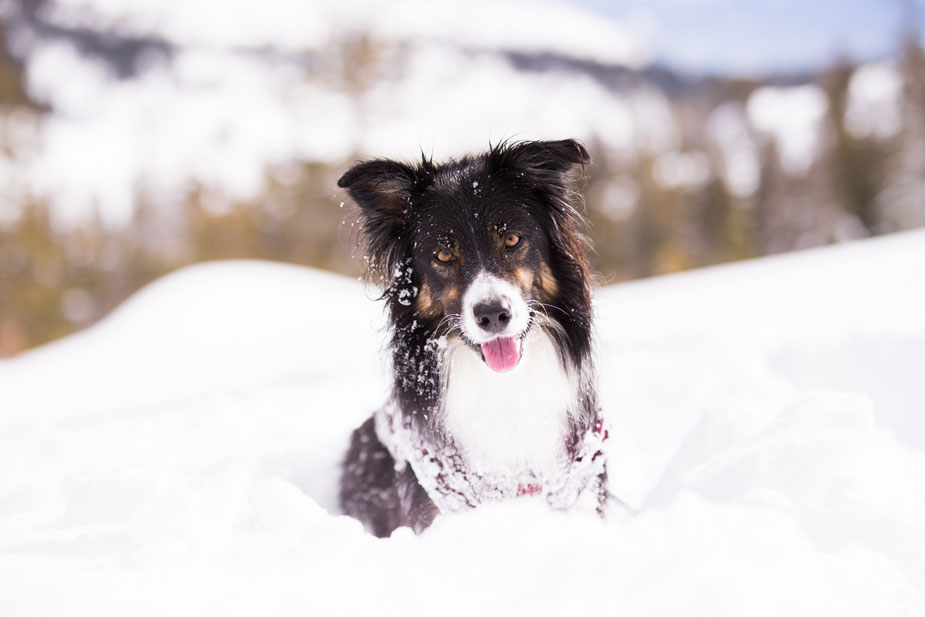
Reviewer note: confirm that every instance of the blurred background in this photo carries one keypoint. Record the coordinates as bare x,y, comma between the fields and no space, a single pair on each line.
138,136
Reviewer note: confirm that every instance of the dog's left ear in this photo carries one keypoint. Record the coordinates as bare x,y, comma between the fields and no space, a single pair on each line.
552,159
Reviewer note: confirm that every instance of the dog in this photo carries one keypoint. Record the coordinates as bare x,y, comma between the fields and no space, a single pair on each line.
488,294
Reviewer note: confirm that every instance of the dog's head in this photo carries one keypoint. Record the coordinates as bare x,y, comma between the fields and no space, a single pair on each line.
484,248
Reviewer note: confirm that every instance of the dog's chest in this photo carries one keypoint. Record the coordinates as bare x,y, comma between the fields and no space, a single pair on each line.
509,422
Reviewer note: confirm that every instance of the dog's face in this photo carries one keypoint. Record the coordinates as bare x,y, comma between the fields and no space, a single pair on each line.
472,247
483,261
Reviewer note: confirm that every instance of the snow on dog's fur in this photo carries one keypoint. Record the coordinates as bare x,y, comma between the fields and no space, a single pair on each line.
488,294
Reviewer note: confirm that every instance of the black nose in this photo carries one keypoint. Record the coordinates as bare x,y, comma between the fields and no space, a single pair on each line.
492,316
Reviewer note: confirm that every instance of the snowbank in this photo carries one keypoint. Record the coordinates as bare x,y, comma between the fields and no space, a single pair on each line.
180,457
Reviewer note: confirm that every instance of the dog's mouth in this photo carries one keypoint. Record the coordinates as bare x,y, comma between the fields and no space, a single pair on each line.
502,354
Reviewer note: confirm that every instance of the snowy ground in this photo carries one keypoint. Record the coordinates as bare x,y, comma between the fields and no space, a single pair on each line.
179,458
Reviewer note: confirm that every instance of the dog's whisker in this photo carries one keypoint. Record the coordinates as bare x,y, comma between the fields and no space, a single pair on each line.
452,319
545,306
440,324
538,309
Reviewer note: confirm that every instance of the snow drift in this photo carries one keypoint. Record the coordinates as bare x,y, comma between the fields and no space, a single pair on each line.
180,457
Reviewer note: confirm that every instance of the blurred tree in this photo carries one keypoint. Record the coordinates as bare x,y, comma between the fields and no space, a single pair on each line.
32,270
902,199
854,165
12,91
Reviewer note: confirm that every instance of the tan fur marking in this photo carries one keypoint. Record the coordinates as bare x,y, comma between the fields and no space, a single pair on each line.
425,301
547,282
430,305
525,277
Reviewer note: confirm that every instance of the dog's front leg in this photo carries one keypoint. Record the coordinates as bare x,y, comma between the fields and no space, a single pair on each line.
418,510
594,497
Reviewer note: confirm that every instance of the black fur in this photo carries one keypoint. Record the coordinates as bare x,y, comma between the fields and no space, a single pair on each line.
408,211
380,496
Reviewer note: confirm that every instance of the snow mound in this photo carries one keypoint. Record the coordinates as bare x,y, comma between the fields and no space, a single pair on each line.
181,456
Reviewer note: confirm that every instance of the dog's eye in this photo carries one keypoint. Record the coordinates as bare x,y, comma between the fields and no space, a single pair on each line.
443,255
511,240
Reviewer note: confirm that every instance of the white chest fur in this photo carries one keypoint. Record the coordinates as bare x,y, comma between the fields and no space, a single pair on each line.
514,421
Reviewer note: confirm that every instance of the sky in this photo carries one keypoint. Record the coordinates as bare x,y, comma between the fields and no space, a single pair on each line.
749,36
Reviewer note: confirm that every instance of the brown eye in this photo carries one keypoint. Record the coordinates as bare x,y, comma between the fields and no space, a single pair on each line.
444,255
511,240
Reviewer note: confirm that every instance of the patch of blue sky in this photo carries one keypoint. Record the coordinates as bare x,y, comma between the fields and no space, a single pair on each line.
765,36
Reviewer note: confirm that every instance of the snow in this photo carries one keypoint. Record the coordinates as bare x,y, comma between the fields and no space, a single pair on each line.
224,119
874,96
791,117
510,25
681,169
245,92
767,439
728,128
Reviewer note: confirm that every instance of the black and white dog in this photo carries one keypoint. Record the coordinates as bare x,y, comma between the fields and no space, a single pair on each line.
488,294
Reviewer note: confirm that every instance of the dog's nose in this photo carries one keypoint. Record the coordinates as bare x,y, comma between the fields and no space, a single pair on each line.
492,316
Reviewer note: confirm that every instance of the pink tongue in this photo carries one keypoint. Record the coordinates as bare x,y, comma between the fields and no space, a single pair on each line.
501,354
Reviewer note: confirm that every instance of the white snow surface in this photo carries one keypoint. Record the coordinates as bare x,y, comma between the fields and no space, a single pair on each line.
768,428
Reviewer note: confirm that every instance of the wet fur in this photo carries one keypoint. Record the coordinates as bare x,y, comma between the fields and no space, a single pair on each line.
466,206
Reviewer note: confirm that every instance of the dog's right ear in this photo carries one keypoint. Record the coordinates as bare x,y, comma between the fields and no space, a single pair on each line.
382,190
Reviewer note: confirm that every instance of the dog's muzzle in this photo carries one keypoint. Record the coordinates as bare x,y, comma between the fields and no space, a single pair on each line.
495,318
